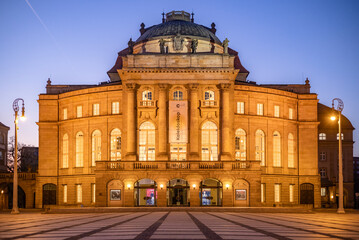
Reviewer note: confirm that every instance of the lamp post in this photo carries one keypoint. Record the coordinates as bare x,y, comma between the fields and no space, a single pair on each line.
16,108
339,110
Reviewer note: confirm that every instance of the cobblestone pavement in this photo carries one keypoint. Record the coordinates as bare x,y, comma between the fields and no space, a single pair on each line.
179,225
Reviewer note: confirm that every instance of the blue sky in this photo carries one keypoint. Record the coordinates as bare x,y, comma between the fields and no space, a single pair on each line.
278,41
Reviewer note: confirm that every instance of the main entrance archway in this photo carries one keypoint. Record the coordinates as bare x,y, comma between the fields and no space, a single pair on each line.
177,192
211,192
146,192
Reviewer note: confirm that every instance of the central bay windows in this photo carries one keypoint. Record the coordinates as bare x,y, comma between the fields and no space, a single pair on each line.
177,95
240,143
147,142
96,147
147,97
209,141
178,152
115,144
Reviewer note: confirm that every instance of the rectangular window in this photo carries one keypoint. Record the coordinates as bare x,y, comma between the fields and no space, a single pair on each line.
263,192
323,172
93,192
240,107
323,156
322,192
79,193
65,114
290,113
276,111
260,109
291,193
115,107
96,109
65,193
277,192
79,111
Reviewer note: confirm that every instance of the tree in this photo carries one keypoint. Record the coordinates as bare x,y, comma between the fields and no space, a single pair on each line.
11,154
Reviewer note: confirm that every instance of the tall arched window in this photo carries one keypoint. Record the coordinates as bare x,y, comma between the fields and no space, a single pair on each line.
177,95
209,95
146,95
209,142
260,147
147,142
96,147
115,145
65,151
79,149
241,145
290,150
277,151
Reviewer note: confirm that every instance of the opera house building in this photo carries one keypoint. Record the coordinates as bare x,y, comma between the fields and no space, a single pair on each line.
178,124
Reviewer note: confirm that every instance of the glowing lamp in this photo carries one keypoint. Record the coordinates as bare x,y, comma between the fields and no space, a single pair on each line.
129,186
161,186
194,186
227,185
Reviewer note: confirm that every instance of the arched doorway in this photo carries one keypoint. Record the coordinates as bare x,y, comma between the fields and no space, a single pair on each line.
146,192
49,194
115,193
211,192
6,191
177,192
306,193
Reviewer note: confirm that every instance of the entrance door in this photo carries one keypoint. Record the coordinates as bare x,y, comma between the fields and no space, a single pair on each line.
178,192
49,194
306,193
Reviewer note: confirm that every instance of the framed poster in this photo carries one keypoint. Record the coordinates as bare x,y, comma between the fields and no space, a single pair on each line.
115,195
241,194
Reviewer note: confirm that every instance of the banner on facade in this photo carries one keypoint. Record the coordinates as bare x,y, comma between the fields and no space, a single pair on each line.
178,122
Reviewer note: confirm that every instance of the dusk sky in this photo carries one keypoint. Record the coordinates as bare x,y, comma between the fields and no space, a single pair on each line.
76,42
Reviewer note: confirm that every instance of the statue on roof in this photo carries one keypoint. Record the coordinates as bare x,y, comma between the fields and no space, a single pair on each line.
130,46
194,45
225,46
162,45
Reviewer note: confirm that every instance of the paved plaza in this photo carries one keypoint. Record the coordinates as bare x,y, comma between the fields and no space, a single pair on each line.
179,225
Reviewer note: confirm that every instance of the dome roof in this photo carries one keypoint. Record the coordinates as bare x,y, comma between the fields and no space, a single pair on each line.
182,27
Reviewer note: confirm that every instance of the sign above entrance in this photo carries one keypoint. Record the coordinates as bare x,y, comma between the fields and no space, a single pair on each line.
178,122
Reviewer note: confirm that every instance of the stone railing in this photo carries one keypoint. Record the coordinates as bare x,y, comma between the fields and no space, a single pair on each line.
147,103
209,103
24,176
177,165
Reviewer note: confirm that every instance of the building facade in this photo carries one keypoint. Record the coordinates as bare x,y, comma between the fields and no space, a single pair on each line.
3,147
178,124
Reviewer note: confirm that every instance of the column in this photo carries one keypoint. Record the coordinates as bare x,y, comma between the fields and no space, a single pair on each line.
194,123
131,121
162,122
226,140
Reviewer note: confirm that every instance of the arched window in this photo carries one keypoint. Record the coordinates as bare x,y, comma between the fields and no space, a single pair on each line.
260,147
177,95
209,141
147,142
79,150
146,95
65,151
277,151
96,147
209,95
115,145
241,145
290,150
322,136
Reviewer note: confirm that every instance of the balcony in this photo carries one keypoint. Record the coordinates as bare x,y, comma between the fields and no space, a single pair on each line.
147,103
209,103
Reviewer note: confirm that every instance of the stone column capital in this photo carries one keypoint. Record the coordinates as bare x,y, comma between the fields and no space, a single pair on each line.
131,86
225,86
163,86
193,86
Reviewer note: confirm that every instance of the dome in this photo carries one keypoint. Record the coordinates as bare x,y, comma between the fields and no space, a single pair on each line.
178,24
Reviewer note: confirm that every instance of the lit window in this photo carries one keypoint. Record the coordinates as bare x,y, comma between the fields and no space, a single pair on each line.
260,109
276,111
240,107
291,193
323,172
290,150
93,192
177,95
79,150
240,143
338,136
263,192
147,142
277,188
65,151
290,113
96,147
277,151
323,192
79,193
209,95
322,136
178,152
209,142
260,147
146,95
65,113
322,156
65,193
115,145
79,111
115,107
96,109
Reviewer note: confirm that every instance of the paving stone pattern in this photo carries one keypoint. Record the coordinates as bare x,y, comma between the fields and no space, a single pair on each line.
179,225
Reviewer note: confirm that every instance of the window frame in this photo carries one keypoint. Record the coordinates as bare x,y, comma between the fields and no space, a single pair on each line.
260,109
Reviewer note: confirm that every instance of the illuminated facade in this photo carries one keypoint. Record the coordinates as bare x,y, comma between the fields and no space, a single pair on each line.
178,124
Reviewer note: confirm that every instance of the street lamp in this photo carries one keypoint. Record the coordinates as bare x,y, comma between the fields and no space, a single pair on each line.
16,108
339,110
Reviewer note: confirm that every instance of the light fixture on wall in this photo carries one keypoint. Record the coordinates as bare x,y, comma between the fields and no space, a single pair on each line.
161,186
128,186
194,186
227,185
